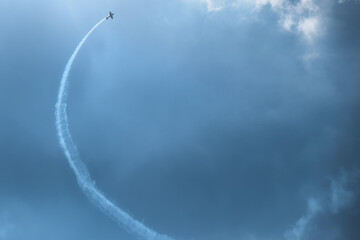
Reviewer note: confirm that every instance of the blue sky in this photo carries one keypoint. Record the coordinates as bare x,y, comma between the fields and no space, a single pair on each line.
204,119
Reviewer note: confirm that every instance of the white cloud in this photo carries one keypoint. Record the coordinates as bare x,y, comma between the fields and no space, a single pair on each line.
288,22
213,5
303,17
309,28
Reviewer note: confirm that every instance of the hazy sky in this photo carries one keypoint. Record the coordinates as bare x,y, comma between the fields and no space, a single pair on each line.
204,119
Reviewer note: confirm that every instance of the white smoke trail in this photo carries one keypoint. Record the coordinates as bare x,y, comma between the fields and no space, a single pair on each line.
82,174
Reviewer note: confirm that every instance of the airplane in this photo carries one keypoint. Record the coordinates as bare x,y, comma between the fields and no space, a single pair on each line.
110,16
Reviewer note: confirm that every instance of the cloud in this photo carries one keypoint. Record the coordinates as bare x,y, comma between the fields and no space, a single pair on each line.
213,6
338,198
303,17
309,28
301,226
343,1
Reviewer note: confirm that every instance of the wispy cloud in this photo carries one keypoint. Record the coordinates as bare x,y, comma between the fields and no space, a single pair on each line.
336,199
343,1
303,17
213,6
340,196
299,230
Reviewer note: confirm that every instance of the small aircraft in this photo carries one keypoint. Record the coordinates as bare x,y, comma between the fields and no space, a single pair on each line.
110,16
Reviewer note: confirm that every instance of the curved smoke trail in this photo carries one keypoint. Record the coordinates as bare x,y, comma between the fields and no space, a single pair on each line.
81,172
